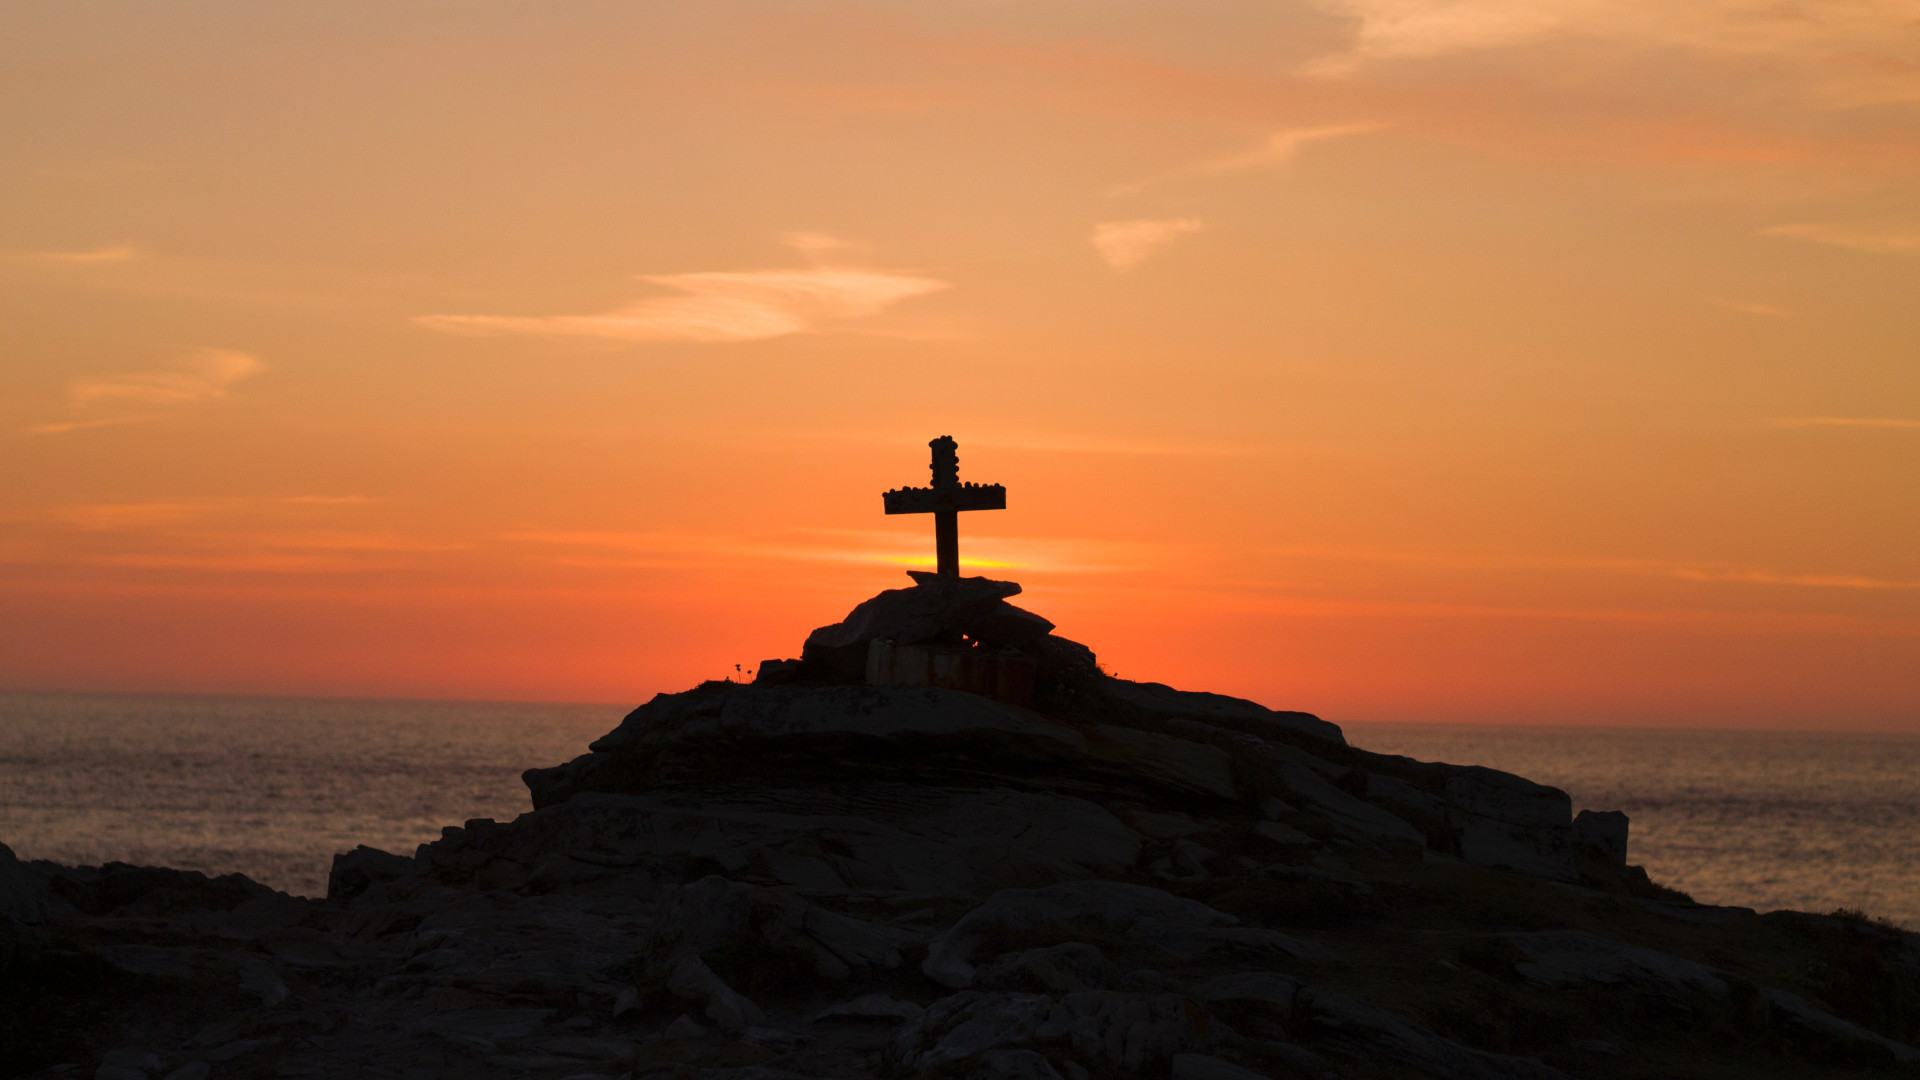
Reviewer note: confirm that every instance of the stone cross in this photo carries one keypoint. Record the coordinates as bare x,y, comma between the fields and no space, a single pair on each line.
944,500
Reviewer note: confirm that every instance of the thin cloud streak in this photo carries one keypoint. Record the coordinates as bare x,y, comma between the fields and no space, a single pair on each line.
201,376
1763,310
206,375
117,254
64,426
1657,568
1126,244
1846,53
853,546
1850,237
1843,422
718,307
1277,151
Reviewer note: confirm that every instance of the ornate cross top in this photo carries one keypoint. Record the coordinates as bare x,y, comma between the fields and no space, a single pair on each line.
944,500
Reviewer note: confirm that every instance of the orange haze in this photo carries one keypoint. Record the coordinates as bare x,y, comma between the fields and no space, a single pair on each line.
1543,361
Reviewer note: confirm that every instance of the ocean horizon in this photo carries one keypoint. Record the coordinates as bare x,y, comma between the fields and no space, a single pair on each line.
273,787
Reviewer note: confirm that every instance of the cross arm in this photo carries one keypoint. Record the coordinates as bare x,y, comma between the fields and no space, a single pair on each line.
957,497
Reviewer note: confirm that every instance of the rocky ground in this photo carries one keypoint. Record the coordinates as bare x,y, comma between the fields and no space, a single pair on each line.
809,876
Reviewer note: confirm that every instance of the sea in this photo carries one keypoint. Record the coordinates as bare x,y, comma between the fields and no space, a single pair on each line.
273,787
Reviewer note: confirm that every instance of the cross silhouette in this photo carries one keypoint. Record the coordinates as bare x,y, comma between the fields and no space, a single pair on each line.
944,500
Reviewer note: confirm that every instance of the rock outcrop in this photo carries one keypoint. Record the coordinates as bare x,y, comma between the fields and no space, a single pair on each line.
813,876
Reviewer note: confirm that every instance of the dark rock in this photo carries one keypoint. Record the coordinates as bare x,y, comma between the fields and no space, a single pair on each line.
1604,833
691,979
776,672
1569,957
872,1007
1148,701
1013,1065
1208,1067
968,1024
354,872
19,896
1796,1012
1005,626
1060,969
117,886
1177,925
1358,1027
751,854
141,1061
936,609
1509,821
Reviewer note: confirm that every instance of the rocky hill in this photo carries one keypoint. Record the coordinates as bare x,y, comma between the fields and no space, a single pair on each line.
942,843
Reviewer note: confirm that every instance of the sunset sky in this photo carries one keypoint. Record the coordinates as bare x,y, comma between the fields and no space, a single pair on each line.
1550,361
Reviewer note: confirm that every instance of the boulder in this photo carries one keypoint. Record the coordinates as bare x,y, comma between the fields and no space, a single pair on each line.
1795,1012
1602,833
1266,987
1157,700
354,872
1138,1033
906,715
1355,1026
19,898
1013,1065
1169,762
1569,957
1060,969
691,979
1508,821
935,609
1303,778
1208,1067
878,836
872,1007
968,1024
857,942
837,720
1110,905
1183,928
698,917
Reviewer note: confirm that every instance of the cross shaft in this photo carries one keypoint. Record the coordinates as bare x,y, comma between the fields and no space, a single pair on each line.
945,500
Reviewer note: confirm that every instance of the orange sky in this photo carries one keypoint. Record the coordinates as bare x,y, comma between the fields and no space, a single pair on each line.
1498,360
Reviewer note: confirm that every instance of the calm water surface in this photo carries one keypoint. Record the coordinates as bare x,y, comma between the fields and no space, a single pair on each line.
272,787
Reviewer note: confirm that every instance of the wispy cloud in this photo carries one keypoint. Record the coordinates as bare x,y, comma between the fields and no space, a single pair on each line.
61,427
726,306
168,514
1714,572
115,517
323,500
1843,422
821,246
1748,308
1127,244
1878,240
252,534
118,254
1845,53
1069,443
201,375
1413,28
865,547
204,375
1772,577
1274,152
